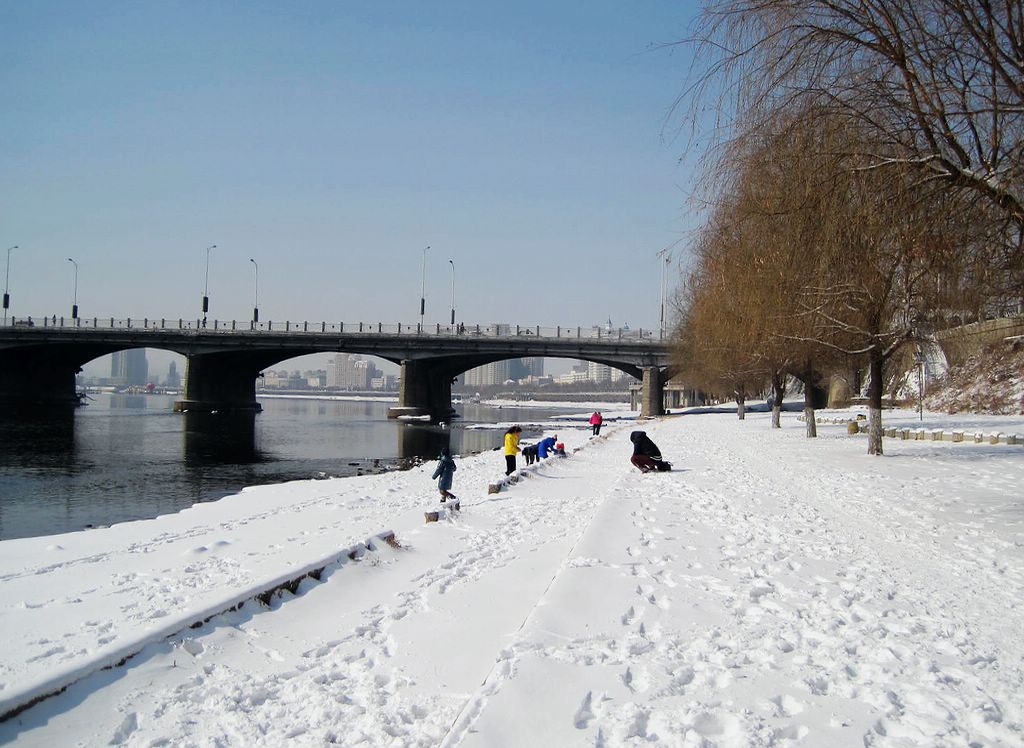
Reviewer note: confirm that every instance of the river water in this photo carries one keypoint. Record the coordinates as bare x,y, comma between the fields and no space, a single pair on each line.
126,457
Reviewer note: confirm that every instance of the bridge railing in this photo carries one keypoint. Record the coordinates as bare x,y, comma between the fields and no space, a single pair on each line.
459,330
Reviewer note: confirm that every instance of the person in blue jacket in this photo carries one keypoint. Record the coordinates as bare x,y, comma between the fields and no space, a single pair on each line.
444,473
546,446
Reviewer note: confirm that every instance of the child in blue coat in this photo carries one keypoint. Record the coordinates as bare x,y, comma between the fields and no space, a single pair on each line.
546,446
444,473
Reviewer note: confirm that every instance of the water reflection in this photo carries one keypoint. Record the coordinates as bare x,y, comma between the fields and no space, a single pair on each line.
219,439
28,436
416,442
126,457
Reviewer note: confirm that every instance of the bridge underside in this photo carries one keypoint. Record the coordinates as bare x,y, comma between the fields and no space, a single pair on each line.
39,376
426,385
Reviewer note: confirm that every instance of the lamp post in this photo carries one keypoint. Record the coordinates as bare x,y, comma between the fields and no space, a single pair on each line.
74,299
206,284
452,263
667,257
423,287
256,304
7,280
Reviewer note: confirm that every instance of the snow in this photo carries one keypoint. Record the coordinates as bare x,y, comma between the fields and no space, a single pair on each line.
770,591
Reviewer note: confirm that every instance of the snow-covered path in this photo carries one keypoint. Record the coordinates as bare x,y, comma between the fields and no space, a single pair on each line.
770,591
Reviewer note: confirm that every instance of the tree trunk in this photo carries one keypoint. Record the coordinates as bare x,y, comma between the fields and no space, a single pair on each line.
875,364
778,390
811,426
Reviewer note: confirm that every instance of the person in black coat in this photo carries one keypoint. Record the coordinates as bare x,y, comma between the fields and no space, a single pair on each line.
646,455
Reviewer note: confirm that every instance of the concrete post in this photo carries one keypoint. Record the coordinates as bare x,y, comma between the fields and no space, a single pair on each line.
651,394
424,389
219,381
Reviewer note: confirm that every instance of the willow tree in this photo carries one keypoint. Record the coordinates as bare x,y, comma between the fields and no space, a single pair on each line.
717,343
883,245
936,86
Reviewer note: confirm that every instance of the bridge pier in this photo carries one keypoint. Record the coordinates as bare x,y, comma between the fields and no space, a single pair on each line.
425,389
219,382
652,397
38,377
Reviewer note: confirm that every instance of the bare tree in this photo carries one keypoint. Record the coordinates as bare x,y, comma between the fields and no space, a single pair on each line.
936,85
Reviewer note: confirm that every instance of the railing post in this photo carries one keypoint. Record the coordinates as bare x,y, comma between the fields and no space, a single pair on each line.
578,333
538,331
129,325
323,326
162,323
233,325
215,322
438,328
341,327
305,326
111,323
558,331
287,326
380,327
61,321
181,323
517,330
270,325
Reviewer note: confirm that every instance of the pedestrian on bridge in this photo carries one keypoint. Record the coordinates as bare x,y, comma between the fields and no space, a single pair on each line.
511,447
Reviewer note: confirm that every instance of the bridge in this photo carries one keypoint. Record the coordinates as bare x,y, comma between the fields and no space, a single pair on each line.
39,358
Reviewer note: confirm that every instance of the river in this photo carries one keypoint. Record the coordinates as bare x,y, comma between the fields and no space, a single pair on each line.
127,457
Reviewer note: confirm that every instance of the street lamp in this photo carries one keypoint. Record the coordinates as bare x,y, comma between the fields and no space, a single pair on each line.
206,285
74,299
7,279
423,287
452,263
256,306
667,256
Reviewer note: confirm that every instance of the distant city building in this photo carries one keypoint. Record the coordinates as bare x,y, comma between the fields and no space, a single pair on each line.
576,376
489,375
129,368
351,372
384,382
315,379
599,373
534,366
173,378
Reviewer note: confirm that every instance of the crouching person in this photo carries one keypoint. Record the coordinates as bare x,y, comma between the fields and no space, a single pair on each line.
646,455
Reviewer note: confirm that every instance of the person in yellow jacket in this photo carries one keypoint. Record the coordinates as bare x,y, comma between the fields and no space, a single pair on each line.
511,447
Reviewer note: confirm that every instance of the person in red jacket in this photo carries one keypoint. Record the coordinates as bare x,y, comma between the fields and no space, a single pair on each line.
595,421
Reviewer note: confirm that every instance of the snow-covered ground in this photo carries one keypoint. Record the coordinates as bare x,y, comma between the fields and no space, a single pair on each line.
772,590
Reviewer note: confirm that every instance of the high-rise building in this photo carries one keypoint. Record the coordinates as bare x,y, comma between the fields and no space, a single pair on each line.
534,366
599,373
351,372
129,368
489,375
173,378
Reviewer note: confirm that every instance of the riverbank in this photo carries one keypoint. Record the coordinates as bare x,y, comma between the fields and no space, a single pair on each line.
770,589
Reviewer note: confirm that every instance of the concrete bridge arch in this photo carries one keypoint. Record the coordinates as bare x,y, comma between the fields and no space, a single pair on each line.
224,363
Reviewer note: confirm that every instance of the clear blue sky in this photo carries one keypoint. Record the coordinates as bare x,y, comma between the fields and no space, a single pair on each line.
332,141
